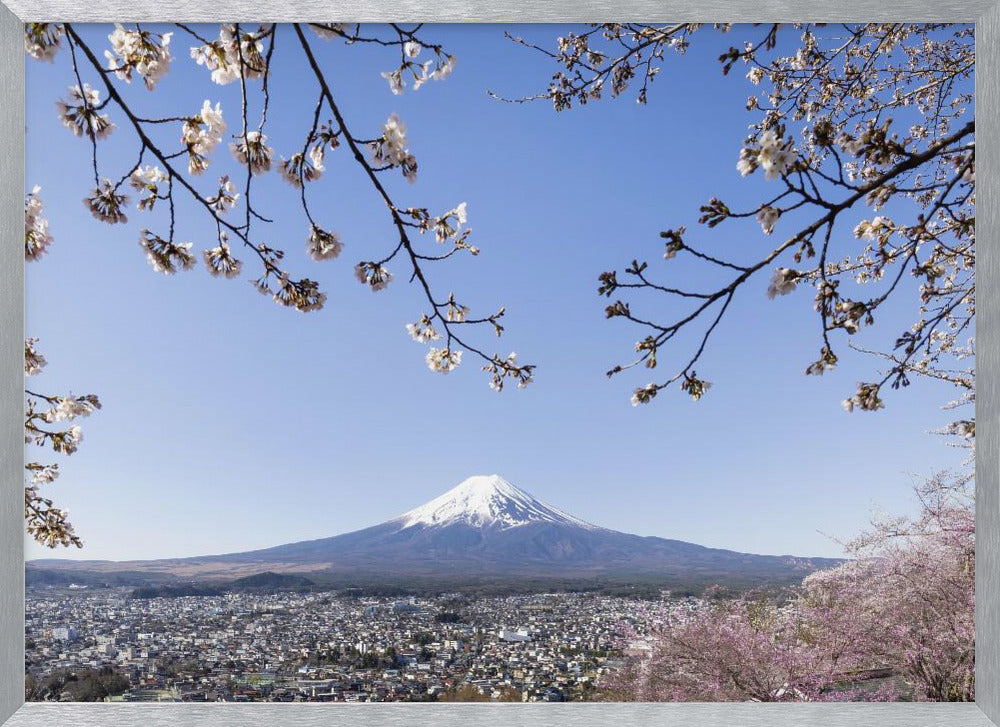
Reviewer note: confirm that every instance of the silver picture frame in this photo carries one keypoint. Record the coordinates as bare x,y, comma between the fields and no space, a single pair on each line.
14,712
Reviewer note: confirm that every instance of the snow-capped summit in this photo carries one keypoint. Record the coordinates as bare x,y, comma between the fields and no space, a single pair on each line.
487,501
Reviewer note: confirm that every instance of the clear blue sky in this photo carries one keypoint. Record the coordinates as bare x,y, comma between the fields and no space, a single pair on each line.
230,423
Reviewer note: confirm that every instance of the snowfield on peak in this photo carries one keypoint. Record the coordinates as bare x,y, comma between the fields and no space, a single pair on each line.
487,501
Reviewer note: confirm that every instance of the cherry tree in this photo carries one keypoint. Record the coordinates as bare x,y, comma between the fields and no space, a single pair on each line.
871,119
730,649
908,596
903,605
176,153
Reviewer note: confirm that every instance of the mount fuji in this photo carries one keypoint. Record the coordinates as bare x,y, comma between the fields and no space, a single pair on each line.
484,528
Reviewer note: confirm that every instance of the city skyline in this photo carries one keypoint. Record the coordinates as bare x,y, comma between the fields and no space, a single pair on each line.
231,424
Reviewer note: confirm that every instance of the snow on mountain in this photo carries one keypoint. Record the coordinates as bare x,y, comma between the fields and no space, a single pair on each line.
487,501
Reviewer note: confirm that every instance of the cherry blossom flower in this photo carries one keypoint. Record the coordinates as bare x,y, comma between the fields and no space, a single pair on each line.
395,79
826,362
747,162
782,282
767,216
445,69
443,229
695,387
68,442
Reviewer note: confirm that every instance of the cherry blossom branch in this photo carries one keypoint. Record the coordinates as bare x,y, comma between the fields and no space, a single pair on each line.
844,89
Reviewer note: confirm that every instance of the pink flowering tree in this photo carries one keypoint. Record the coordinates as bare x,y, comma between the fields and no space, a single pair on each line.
908,597
740,649
848,121
903,607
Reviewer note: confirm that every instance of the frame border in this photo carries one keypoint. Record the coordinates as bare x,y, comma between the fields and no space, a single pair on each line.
15,713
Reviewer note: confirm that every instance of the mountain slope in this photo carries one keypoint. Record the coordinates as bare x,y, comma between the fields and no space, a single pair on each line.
487,527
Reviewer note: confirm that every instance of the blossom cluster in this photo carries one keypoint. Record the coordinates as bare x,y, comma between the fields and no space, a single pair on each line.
501,369
303,167
146,181
435,69
775,155
219,260
233,50
303,295
201,133
322,244
422,331
443,360
148,54
252,150
166,256
34,361
645,394
783,282
106,204
866,398
70,407
449,226
81,113
767,216
391,149
42,40
36,227
226,198
374,275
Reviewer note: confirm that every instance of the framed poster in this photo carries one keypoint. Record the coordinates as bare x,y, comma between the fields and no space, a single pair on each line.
736,260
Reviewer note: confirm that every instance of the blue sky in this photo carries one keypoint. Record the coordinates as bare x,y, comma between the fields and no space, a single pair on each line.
230,423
